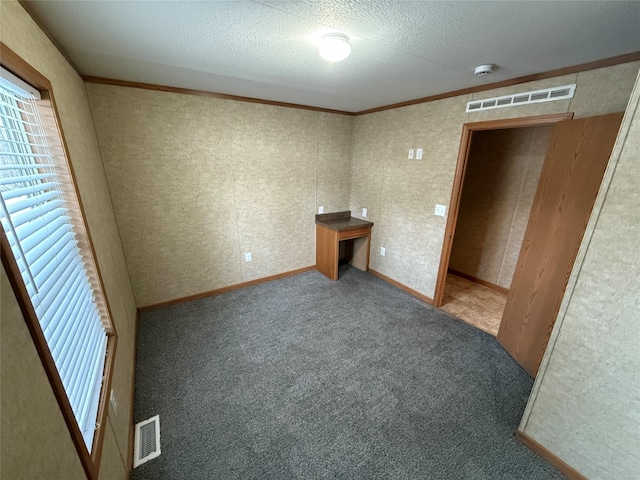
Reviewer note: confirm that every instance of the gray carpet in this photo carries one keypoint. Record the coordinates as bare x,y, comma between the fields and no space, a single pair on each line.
308,378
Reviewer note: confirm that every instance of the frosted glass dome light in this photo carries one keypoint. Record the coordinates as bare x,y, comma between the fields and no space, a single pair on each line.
334,47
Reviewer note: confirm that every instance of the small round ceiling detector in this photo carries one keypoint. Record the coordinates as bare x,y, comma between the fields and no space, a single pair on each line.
485,69
334,47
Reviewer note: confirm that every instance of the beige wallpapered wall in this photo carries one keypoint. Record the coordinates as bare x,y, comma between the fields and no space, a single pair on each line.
401,194
500,184
196,182
585,404
30,415
212,179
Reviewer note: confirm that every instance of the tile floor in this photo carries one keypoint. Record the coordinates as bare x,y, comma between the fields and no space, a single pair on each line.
480,306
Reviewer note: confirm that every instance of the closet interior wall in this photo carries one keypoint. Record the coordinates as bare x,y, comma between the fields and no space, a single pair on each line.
500,184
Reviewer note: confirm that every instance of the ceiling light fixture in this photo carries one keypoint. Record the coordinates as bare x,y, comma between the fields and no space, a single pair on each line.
334,47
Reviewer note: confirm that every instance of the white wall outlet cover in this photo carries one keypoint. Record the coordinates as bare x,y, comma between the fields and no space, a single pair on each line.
419,154
383,251
320,209
441,210
364,212
410,156
247,257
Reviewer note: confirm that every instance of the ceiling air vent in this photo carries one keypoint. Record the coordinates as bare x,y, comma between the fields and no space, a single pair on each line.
147,441
526,98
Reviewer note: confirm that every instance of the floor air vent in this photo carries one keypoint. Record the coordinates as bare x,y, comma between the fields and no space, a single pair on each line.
147,441
526,98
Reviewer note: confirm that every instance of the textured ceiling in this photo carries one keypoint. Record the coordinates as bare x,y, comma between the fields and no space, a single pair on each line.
402,50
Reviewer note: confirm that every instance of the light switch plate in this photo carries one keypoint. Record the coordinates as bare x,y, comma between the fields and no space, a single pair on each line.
383,251
247,257
441,210
419,154
410,156
364,212
320,209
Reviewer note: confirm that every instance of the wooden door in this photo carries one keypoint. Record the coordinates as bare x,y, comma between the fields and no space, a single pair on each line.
576,159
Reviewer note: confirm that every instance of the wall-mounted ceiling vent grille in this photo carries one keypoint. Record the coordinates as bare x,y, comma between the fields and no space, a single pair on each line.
147,441
526,98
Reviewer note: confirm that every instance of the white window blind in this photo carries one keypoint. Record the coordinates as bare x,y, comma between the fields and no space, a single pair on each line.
40,216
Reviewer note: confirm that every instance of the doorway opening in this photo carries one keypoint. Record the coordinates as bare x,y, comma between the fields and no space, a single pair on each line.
498,169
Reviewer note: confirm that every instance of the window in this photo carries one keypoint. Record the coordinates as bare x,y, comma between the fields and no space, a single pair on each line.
46,238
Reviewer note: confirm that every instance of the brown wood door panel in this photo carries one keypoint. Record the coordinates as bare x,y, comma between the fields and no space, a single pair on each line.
577,157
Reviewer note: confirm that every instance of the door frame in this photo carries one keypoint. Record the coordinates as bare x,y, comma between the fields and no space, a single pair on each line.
468,130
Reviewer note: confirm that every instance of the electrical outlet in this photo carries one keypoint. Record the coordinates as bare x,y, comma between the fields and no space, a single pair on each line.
113,402
441,210
419,154
247,257
383,251
364,212
320,209
410,156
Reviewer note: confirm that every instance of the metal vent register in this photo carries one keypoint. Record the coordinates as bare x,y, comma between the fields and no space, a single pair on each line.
526,98
147,441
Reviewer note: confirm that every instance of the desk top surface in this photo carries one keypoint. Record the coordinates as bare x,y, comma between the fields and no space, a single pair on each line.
341,221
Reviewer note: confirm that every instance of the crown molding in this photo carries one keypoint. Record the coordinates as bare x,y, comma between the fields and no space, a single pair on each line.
205,93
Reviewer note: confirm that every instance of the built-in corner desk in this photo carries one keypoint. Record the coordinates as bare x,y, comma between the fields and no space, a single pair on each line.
333,228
